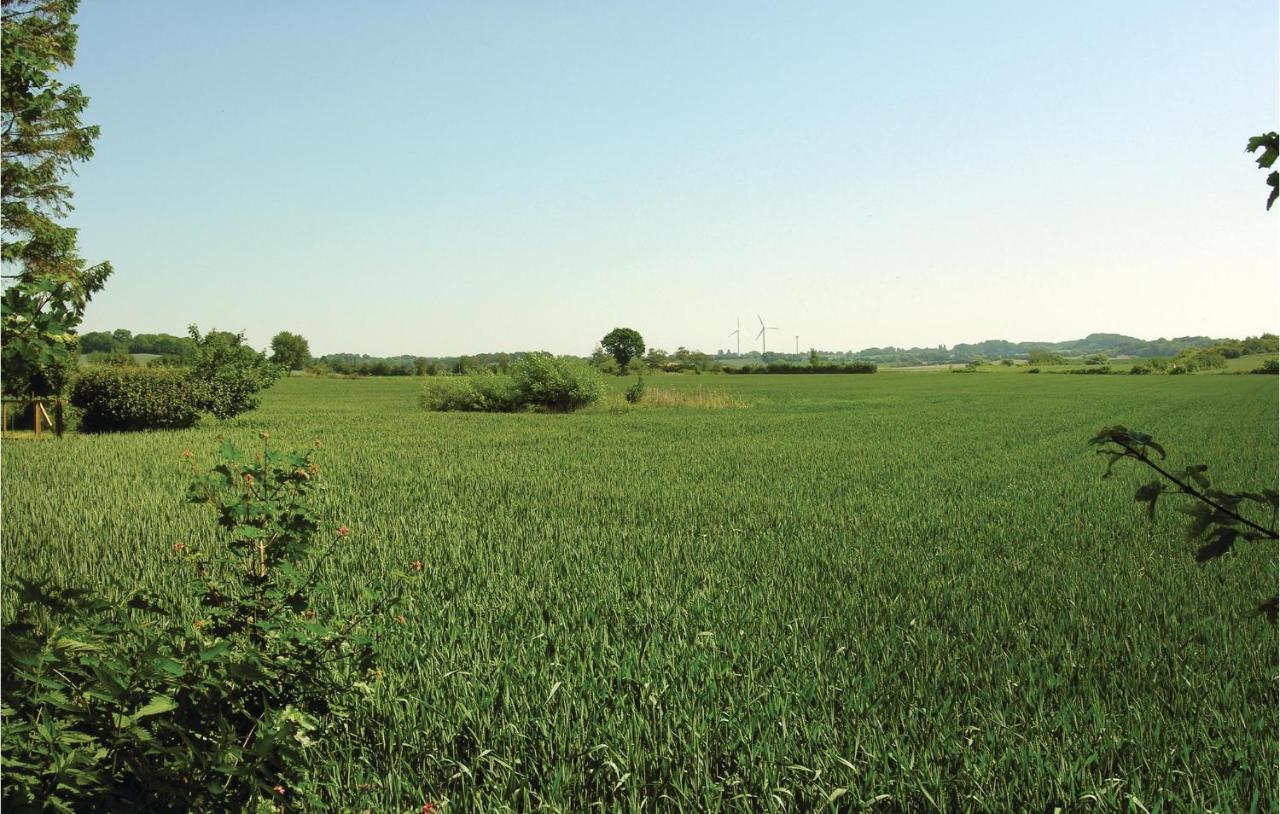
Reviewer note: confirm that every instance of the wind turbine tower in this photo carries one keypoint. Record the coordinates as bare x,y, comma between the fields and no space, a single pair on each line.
797,343
738,333
761,336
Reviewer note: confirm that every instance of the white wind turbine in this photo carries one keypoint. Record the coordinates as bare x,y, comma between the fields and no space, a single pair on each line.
761,336
738,333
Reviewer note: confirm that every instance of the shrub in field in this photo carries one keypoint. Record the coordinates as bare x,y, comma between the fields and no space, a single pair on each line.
556,383
1140,370
473,393
636,391
133,705
1033,370
1269,367
228,373
1217,517
112,399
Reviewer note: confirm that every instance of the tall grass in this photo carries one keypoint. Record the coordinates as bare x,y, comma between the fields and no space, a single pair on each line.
698,398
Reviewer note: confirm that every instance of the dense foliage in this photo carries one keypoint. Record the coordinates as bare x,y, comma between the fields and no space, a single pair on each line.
124,398
291,351
123,340
537,381
227,373
914,586
556,383
221,375
48,284
211,701
1269,144
623,344
472,393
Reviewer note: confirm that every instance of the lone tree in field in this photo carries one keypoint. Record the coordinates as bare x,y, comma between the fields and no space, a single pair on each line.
226,373
290,351
623,344
48,284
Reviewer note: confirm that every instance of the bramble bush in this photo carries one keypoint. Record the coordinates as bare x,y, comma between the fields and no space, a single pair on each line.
130,704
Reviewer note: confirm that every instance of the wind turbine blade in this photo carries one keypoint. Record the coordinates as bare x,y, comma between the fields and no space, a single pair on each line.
761,320
760,334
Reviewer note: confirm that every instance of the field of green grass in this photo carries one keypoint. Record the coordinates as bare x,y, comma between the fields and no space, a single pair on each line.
893,592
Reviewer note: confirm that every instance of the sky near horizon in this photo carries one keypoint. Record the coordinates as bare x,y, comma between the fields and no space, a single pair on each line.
444,178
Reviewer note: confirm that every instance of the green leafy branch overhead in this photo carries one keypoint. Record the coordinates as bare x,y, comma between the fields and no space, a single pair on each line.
1218,517
1269,144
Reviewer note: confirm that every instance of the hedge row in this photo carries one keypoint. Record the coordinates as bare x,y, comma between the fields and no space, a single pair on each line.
783,367
113,399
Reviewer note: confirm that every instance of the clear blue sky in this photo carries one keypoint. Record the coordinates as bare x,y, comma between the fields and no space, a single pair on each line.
462,177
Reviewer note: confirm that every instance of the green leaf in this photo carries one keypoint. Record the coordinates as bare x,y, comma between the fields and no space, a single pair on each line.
157,705
167,665
1269,143
215,652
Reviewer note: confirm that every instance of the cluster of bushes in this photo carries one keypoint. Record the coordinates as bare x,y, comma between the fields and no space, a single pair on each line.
122,341
119,399
783,367
1269,368
223,377
1195,360
1235,348
539,381
1099,370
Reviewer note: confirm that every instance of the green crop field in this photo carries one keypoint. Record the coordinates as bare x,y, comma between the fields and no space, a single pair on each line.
893,592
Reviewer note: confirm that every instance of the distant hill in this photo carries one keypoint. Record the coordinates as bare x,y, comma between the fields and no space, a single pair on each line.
1111,345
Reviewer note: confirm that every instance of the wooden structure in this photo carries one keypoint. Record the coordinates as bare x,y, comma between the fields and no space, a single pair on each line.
41,419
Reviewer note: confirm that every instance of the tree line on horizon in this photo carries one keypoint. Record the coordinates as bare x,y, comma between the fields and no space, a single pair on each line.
292,352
